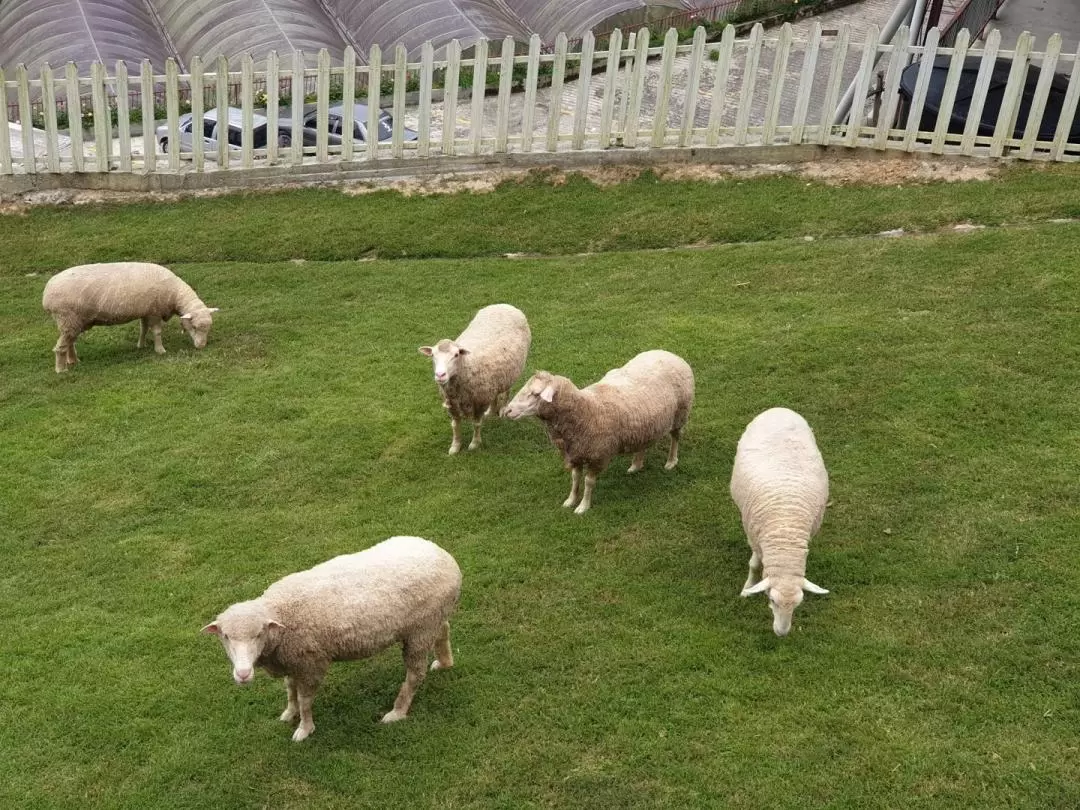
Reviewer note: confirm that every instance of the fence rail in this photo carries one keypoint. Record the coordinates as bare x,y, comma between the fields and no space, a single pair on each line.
635,94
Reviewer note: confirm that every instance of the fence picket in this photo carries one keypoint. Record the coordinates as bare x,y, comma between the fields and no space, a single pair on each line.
1014,88
296,107
22,81
611,77
720,81
693,87
322,106
374,91
6,166
401,75
247,110
1042,92
123,116
922,83
746,98
856,118
978,97
898,60
776,85
427,78
450,97
1068,111
172,112
832,93
581,109
198,114
637,88
48,101
273,91
558,72
150,145
806,82
663,87
948,96
479,90
506,79
348,102
102,118
531,75
221,90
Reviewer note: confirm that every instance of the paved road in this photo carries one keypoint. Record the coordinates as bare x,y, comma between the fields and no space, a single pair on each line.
1042,18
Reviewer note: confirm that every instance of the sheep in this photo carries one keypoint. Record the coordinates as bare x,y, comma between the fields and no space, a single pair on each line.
119,292
403,589
480,367
781,487
627,411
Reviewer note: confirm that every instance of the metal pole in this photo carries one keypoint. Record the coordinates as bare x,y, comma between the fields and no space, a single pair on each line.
892,25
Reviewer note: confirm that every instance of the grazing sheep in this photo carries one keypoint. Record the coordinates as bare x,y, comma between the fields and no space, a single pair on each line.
401,590
781,487
481,366
118,292
625,412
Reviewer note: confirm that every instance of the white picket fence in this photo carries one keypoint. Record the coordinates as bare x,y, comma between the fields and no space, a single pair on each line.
761,90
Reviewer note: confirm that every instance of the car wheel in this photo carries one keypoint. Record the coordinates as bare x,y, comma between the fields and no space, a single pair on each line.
164,142
284,139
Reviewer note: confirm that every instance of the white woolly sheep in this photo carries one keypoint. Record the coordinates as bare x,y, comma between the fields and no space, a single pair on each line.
627,411
781,487
481,366
402,590
119,292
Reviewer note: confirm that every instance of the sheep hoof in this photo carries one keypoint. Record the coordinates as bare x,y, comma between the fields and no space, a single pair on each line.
474,444
671,465
582,509
569,502
393,716
634,468
159,351
437,664
288,715
454,449
302,732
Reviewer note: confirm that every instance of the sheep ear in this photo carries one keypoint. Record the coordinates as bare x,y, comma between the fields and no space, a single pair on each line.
758,588
273,625
213,309
548,394
463,350
810,587
426,351
212,628
185,317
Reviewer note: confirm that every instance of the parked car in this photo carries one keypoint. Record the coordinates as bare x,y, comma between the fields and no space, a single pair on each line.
210,133
336,117
995,94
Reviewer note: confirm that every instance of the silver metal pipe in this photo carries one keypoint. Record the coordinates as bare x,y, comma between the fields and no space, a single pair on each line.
892,25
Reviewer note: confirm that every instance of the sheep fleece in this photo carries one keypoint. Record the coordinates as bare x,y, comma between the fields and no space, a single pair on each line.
497,340
781,487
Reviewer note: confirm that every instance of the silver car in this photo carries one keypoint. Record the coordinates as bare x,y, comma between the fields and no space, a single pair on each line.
336,118
211,132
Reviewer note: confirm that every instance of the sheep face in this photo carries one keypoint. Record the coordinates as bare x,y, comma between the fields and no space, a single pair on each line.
446,357
197,324
784,596
244,630
534,395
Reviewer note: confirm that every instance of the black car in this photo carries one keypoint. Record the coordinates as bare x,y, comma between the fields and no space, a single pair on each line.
995,94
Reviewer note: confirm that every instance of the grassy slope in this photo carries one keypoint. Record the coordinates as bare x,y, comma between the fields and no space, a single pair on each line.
604,661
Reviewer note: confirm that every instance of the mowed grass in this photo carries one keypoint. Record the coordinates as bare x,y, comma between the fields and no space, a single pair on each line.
602,661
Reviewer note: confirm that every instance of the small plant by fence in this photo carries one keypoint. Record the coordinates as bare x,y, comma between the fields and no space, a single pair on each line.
635,93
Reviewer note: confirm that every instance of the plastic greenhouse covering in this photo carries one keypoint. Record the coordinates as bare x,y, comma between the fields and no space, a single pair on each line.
34,32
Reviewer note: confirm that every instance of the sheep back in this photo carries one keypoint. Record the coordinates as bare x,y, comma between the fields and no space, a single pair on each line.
497,342
780,485
115,293
354,605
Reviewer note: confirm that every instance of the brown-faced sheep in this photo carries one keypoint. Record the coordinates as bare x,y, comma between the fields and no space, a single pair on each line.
627,411
400,591
781,487
481,366
113,293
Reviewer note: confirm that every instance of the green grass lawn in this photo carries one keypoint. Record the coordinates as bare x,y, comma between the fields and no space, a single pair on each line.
603,661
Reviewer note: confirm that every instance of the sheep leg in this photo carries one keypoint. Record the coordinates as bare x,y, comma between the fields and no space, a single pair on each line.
755,568
155,327
477,424
63,350
415,669
673,453
72,355
575,479
586,498
444,657
305,696
455,426
292,708
638,462
144,326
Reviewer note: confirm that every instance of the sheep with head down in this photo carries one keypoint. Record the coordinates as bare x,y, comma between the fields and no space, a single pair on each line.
781,487
480,367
